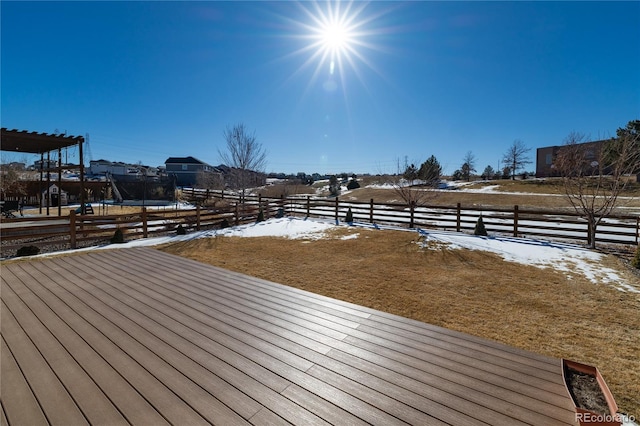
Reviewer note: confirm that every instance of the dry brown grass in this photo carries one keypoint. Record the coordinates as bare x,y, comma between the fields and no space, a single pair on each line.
541,310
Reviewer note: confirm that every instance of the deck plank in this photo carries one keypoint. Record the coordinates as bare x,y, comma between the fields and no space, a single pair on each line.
18,401
120,351
133,406
93,403
191,343
525,394
56,403
119,331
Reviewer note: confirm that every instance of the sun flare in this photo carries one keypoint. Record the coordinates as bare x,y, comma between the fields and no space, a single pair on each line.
336,38
335,32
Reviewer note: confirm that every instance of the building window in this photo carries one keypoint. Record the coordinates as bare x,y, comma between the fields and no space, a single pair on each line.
548,159
185,167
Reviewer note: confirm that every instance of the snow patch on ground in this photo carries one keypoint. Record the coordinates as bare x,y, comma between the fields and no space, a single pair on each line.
543,254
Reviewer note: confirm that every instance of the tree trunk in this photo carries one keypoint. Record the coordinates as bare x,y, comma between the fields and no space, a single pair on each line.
592,225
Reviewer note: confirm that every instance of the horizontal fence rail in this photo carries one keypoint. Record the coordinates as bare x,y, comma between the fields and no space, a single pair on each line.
515,221
232,209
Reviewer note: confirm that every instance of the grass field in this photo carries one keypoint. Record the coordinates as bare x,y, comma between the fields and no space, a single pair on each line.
541,310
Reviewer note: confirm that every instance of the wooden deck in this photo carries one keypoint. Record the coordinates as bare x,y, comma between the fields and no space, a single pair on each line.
137,336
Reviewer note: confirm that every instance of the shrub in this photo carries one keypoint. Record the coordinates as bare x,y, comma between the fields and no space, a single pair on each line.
635,262
280,213
349,217
118,237
260,216
180,230
353,184
224,224
480,229
27,251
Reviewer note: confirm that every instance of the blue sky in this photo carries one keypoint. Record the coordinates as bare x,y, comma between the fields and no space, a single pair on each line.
149,80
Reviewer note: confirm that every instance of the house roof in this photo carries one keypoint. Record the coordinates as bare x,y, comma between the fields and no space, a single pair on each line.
184,160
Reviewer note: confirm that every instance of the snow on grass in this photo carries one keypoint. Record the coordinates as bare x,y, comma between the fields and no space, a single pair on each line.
282,227
543,254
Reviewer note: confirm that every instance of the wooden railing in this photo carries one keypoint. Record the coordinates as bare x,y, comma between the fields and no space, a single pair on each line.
514,221
77,230
81,230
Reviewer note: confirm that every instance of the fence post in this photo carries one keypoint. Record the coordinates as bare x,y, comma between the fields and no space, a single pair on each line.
198,217
515,221
237,215
458,219
144,223
222,194
337,209
72,229
411,210
637,229
371,211
308,205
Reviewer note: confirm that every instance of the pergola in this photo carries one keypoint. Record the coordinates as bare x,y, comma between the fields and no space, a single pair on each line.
43,143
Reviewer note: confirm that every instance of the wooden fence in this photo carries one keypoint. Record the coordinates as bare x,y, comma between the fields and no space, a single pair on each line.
514,221
81,230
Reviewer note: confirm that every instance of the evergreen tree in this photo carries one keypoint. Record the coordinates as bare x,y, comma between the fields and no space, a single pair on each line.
349,216
480,229
353,184
118,237
260,215
410,173
430,171
506,172
488,173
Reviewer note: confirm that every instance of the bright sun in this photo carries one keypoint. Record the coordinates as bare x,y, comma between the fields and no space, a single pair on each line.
335,33
336,36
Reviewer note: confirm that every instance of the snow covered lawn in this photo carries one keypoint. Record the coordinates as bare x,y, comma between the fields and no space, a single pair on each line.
543,254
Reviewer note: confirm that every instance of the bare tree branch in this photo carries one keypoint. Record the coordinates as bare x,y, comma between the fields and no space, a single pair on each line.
516,157
244,155
595,173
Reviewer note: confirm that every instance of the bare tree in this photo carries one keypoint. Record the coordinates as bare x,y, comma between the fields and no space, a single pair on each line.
468,166
244,155
516,157
595,173
209,180
11,181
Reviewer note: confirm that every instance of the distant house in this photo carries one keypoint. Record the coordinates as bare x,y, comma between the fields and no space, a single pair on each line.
121,171
186,169
546,155
54,197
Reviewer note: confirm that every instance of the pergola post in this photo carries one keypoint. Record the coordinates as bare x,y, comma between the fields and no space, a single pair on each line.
59,182
82,207
40,183
48,180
